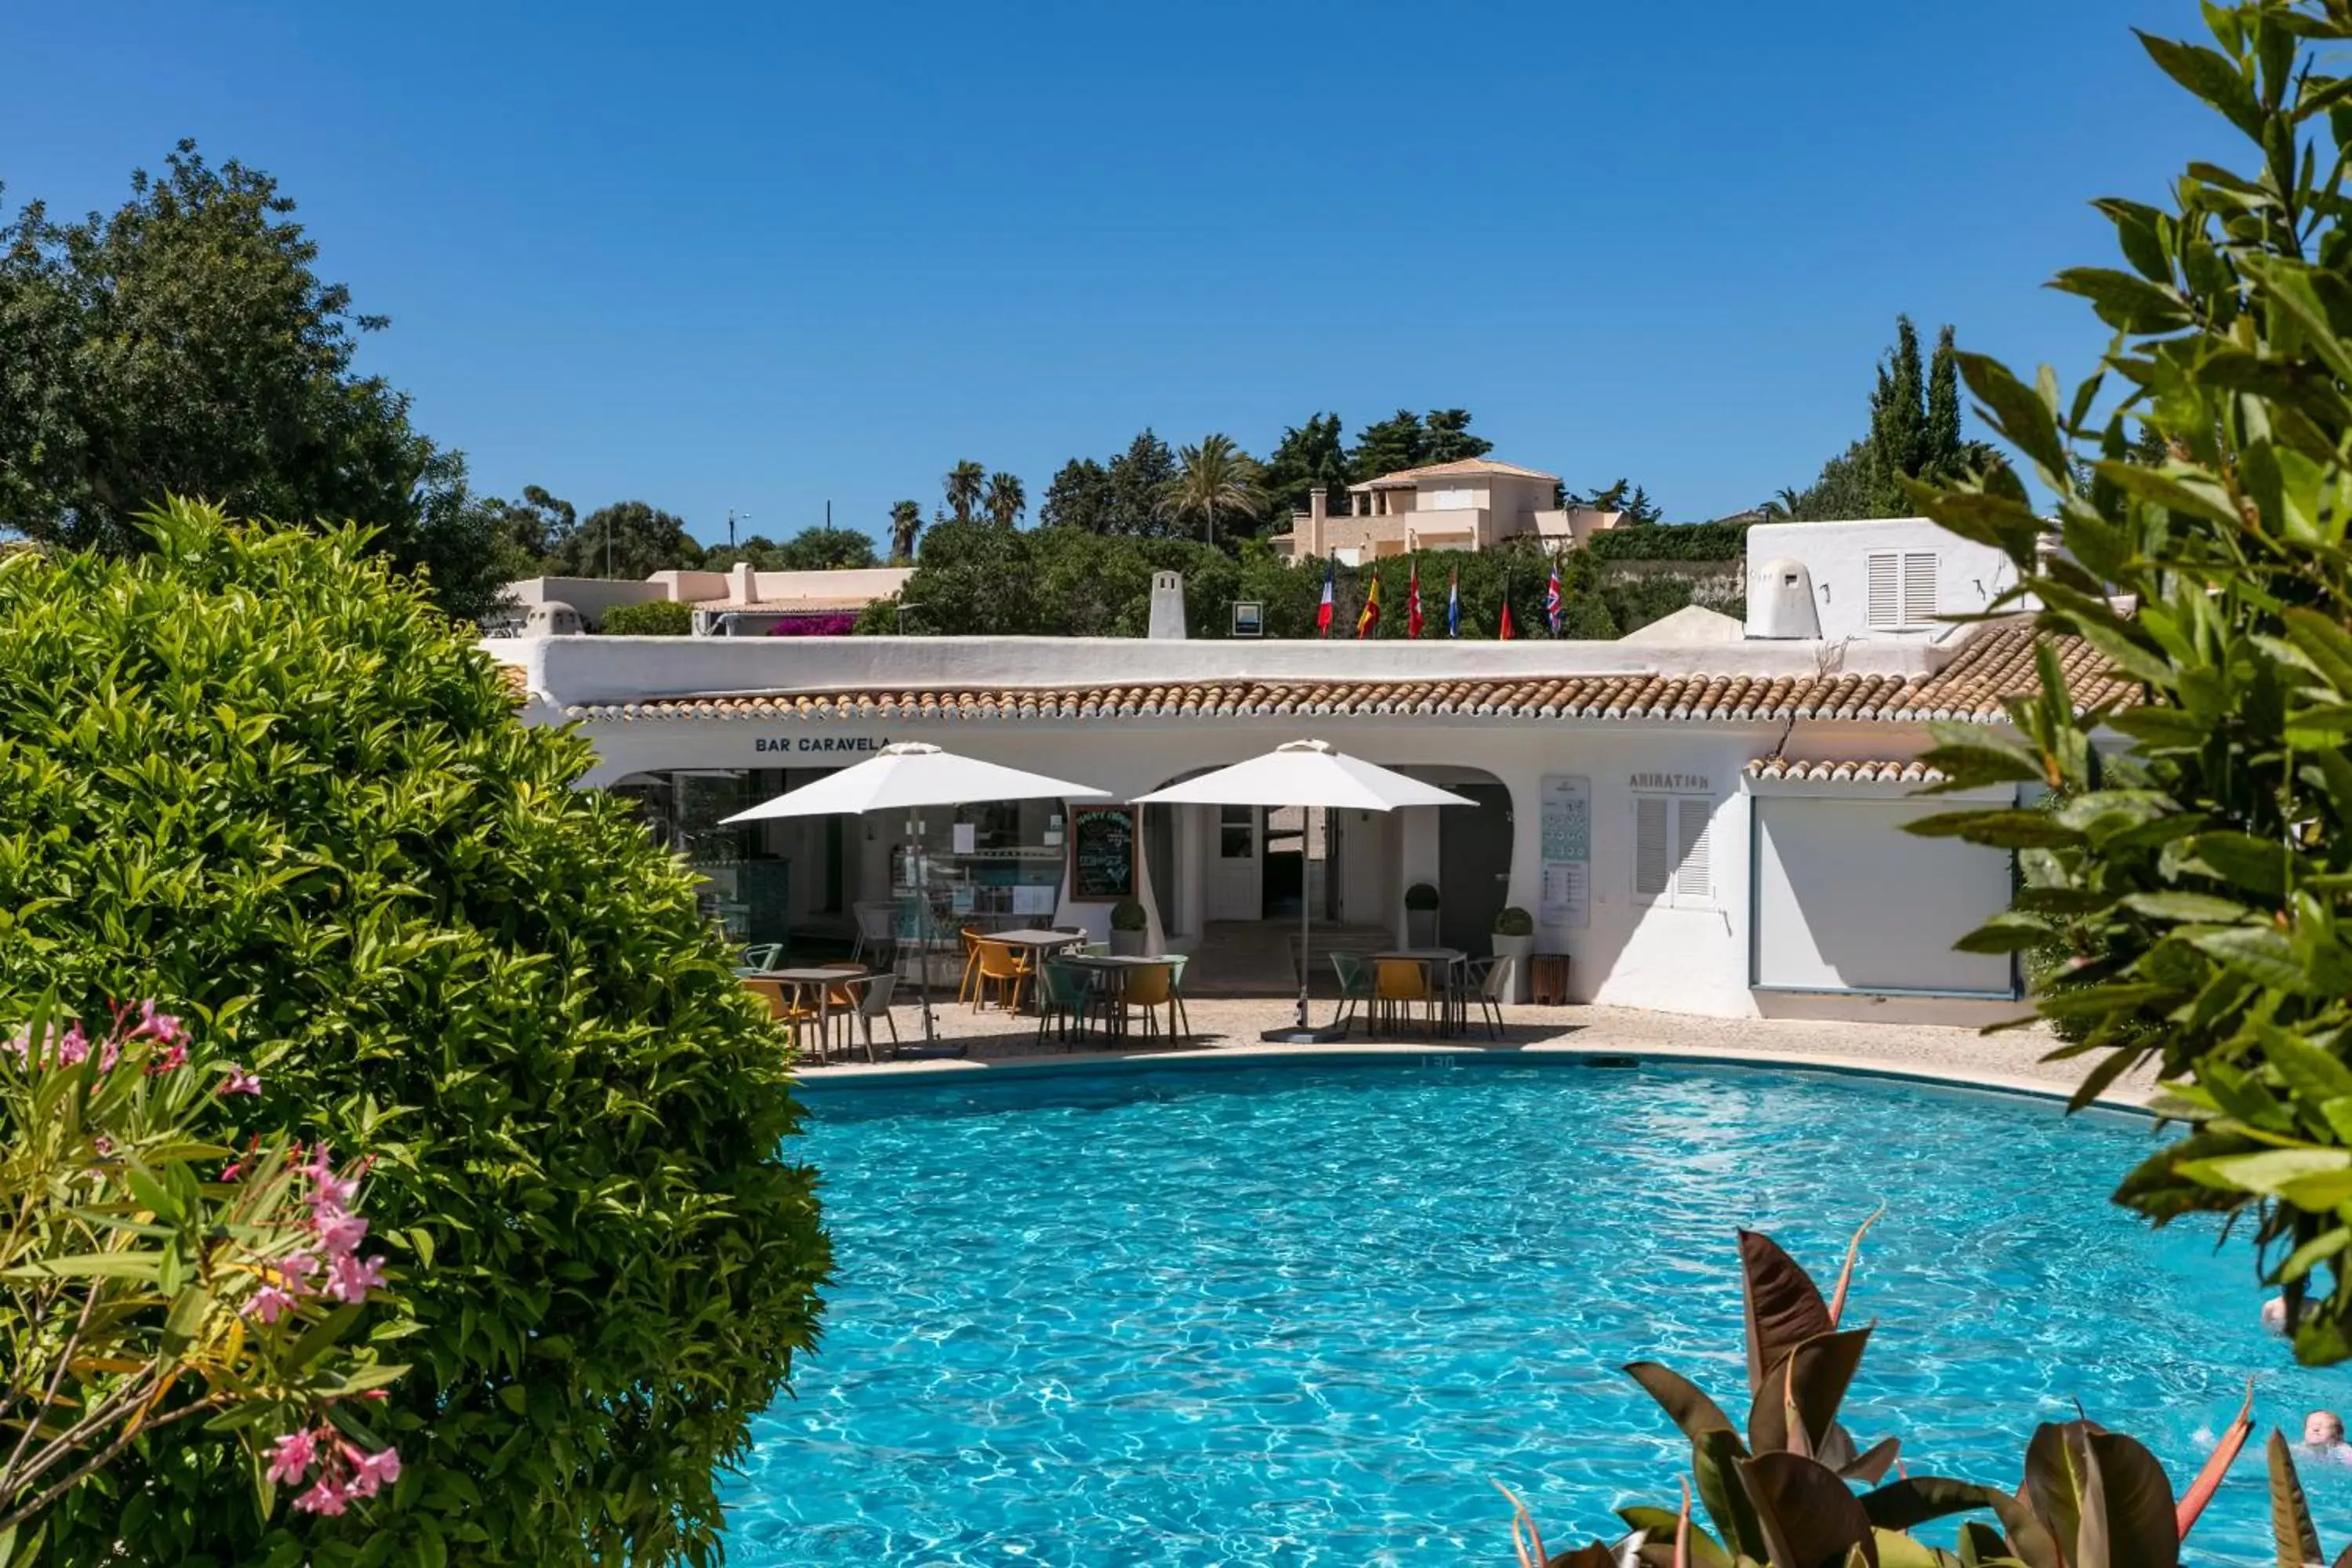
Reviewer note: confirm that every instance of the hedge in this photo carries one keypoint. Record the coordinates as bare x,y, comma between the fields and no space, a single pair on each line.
1673,542
255,774
654,618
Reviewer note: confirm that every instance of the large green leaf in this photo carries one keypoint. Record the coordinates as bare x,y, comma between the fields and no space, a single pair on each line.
1782,1306
1810,1517
1813,1379
1716,1457
1680,1399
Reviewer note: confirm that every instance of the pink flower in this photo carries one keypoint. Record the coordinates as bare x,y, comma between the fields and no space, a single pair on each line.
73,1047
233,1169
294,1454
161,1027
372,1472
324,1497
170,1061
109,1051
339,1231
318,1167
295,1267
351,1279
240,1081
333,1195
270,1303
103,1144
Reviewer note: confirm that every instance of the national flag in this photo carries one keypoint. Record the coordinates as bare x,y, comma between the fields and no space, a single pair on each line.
1503,631
1412,603
1323,611
1371,616
1552,606
1453,604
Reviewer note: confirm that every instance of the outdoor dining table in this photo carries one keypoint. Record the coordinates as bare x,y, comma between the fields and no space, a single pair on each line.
1113,968
821,981
1038,941
1447,962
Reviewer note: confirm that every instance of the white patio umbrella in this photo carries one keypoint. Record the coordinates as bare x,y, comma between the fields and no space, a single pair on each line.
908,777
1305,773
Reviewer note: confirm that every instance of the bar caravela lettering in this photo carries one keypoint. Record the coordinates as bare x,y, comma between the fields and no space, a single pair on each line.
834,745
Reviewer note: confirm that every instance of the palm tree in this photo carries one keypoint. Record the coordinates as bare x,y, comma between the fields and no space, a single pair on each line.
962,484
1004,502
905,521
1214,476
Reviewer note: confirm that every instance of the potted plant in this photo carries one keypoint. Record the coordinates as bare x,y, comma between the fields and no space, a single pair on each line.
1129,925
1514,939
1421,915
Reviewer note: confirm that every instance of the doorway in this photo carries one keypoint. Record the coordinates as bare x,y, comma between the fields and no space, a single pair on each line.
1237,878
1474,849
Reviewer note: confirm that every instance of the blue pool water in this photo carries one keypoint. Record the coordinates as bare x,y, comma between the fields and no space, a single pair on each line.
1304,1315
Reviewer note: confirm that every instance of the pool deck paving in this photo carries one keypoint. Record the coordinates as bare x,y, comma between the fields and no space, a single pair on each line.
1228,1030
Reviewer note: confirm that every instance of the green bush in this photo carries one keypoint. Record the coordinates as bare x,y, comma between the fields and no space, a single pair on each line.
254,770
654,618
1513,920
1129,915
1421,897
1677,542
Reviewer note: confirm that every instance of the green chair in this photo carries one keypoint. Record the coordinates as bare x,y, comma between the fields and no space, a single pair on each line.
1066,994
1355,985
1176,963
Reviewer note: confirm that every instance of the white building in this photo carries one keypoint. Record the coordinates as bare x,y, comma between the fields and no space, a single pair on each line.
739,602
1708,827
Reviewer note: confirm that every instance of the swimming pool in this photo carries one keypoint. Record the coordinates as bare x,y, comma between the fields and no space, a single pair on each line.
1301,1315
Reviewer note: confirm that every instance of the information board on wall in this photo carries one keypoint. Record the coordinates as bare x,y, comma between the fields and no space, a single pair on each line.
1102,854
1566,900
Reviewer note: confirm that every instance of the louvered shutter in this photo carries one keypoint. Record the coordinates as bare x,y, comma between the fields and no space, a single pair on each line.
1918,588
1886,605
1694,869
1653,858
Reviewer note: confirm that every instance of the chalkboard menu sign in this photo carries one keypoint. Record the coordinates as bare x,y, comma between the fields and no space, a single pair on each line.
1102,854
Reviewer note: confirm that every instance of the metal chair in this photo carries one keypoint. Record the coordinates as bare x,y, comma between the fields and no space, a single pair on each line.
877,933
1066,995
1355,986
874,1002
1490,984
760,955
1177,964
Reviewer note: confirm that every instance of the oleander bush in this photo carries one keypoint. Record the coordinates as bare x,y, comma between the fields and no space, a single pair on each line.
654,618
253,770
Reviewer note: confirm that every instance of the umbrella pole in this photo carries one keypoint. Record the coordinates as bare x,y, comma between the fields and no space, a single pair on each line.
1306,906
915,863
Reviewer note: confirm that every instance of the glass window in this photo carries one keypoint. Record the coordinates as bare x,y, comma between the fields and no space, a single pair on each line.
1236,832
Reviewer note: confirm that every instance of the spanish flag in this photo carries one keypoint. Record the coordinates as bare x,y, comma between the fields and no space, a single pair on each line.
1371,616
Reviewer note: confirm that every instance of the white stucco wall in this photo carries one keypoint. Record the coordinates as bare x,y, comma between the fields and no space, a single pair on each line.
1968,577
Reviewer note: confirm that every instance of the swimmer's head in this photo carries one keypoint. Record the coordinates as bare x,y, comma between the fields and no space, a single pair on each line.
2323,1429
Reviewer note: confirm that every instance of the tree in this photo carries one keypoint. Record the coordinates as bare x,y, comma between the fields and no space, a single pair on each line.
1138,477
1630,499
1079,497
2198,885
185,344
1913,435
905,525
1395,443
1214,478
1307,456
962,486
1841,493
1448,438
1003,500
822,548
628,540
391,898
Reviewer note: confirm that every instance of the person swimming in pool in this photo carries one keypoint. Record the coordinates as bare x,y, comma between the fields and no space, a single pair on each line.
2322,1437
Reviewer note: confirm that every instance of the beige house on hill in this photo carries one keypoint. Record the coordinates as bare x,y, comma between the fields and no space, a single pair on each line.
1473,504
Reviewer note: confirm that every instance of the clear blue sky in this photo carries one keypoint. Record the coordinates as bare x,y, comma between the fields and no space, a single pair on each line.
761,256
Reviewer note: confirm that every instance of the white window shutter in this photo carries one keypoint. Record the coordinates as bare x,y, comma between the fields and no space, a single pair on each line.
1918,588
1885,606
1652,859
1693,869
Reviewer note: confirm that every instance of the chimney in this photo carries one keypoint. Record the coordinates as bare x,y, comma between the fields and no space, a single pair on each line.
1167,607
1318,509
743,583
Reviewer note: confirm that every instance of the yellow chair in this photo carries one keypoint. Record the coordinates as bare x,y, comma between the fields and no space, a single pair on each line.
1397,984
1007,969
970,981
785,1008
1150,987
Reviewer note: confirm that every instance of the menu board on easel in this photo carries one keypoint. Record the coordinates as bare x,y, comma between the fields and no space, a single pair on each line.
1102,854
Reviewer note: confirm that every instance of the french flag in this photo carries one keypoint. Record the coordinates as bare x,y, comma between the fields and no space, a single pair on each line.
1323,611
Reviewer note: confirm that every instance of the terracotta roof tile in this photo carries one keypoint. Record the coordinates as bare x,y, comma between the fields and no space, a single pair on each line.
1995,664
1904,770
